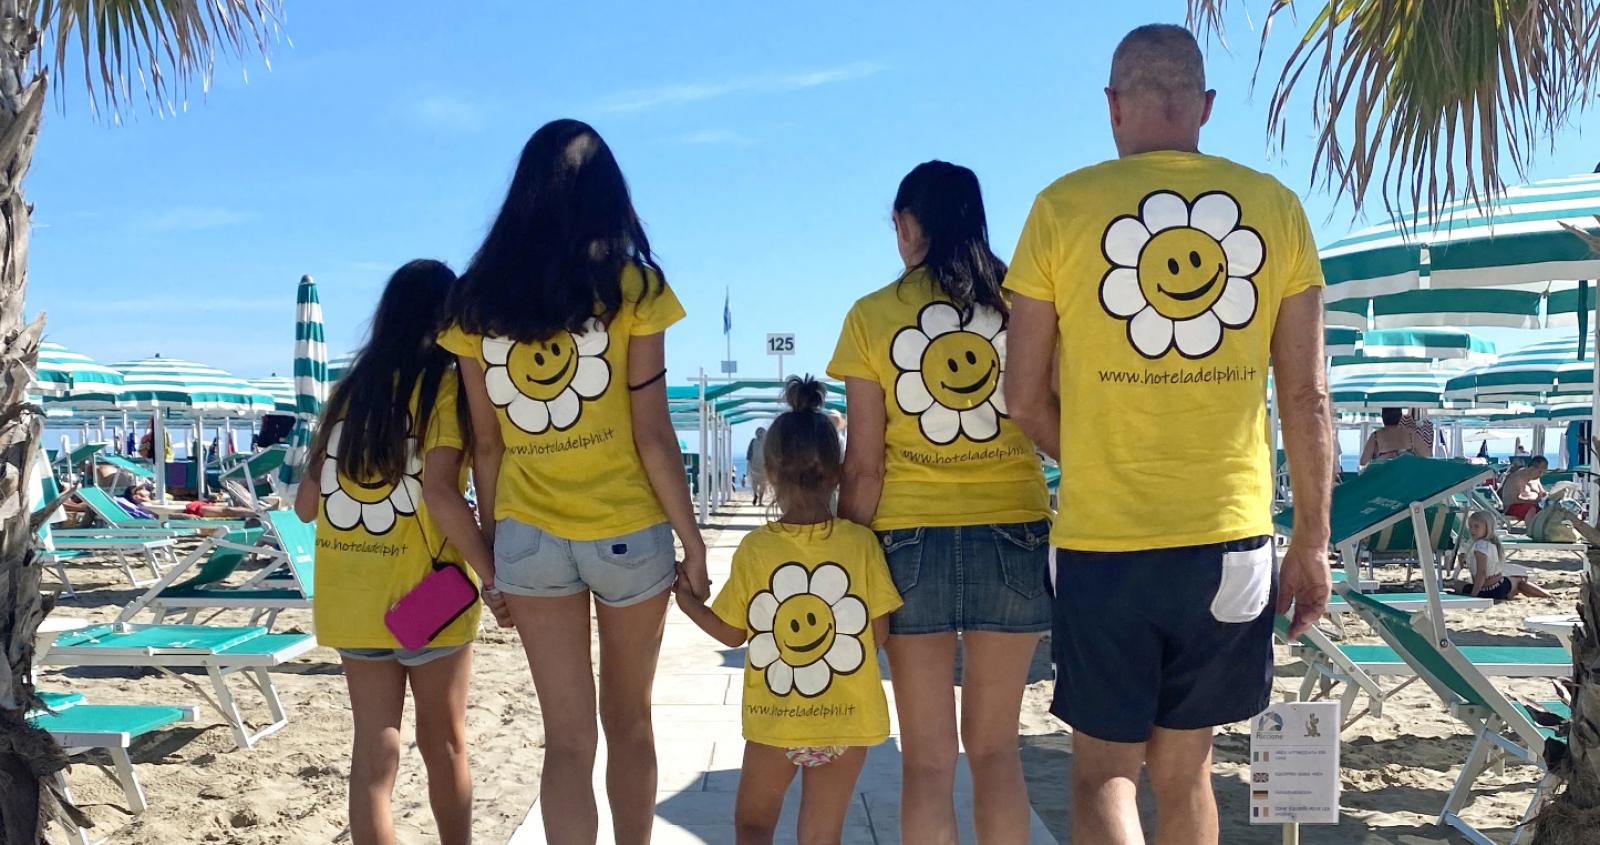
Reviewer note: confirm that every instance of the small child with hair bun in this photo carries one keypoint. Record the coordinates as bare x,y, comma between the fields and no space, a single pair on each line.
811,595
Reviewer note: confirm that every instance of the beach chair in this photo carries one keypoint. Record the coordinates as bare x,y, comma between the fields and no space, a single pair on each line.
109,512
70,461
156,552
131,467
286,583
217,651
246,469
1501,727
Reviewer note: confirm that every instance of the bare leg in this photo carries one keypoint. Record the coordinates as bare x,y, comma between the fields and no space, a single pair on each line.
995,670
763,779
1180,772
439,689
825,795
923,668
630,643
377,698
1526,587
1105,779
555,635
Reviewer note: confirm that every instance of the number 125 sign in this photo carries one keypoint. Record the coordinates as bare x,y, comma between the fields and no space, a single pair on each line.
780,344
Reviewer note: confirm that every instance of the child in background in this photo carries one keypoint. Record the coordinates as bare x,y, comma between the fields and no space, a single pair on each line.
1492,577
811,594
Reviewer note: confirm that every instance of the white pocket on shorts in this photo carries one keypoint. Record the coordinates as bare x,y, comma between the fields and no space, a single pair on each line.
1246,585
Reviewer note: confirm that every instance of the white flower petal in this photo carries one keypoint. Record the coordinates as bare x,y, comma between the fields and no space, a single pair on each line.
1198,337
1163,210
1150,333
1120,293
939,318
377,517
333,439
1124,240
529,414
413,457
845,656
564,409
907,348
1215,214
1237,305
790,579
329,481
497,350
999,342
911,394
829,582
1244,251
998,397
592,378
407,494
985,321
763,650
850,616
813,679
941,424
342,511
763,609
594,339
980,423
497,383
780,678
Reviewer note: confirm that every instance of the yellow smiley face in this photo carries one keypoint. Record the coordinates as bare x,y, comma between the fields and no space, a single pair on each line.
1182,272
804,628
544,368
365,493
960,369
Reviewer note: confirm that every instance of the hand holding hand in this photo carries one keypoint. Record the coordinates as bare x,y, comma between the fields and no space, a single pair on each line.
692,574
496,602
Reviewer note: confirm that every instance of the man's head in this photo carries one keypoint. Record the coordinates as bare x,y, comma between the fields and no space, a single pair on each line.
1391,416
1157,94
1540,463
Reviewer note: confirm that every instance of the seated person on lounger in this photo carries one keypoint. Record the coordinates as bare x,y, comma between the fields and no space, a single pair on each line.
1392,441
1522,490
1491,576
140,496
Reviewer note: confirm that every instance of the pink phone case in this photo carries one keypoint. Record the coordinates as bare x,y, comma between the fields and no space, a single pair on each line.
431,606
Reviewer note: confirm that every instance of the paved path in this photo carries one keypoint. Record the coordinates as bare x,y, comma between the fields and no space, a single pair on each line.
699,747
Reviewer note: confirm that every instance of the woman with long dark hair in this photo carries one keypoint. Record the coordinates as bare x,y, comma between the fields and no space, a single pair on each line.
957,496
559,329
392,429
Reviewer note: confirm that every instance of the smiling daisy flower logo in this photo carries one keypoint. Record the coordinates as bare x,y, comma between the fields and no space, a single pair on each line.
1181,272
374,506
951,375
544,383
807,629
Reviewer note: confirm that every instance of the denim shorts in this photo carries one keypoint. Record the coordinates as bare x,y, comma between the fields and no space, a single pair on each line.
970,578
620,571
408,657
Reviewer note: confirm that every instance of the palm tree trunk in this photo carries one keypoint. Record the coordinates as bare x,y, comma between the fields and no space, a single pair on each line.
1573,816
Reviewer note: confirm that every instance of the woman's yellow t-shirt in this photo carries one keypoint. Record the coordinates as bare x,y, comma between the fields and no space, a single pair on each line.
375,543
570,466
806,596
951,455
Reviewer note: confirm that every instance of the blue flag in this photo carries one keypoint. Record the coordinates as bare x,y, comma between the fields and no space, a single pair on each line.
727,313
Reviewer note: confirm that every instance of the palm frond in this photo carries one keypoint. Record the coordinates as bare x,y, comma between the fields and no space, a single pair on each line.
157,47
1430,101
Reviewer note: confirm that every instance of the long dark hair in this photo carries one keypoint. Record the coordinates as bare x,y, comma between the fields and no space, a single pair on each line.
401,358
557,249
804,460
948,204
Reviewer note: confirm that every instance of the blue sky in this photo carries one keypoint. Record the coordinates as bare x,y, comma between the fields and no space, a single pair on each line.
763,144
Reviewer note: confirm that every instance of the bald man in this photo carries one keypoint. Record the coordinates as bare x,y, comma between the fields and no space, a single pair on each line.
1167,279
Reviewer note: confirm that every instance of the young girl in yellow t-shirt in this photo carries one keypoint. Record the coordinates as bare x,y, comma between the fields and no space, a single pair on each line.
811,595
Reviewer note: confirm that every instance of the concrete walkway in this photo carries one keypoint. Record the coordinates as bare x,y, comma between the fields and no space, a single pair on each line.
699,747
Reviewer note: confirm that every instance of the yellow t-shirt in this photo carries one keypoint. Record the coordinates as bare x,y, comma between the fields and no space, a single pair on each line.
806,596
570,466
1167,270
951,455
374,543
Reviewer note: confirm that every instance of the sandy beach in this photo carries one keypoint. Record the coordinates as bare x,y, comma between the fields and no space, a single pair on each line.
291,787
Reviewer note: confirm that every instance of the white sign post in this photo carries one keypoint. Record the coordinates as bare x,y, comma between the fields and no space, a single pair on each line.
1294,765
780,344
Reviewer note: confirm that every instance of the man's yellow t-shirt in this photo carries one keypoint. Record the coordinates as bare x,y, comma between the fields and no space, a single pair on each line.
570,466
806,596
951,455
1166,270
375,543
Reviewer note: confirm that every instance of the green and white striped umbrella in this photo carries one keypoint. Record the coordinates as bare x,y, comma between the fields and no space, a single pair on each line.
1337,340
173,384
1374,391
1536,373
64,374
310,375
338,366
281,389
1460,348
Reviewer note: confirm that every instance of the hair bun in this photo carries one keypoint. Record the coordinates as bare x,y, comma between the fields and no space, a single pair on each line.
804,393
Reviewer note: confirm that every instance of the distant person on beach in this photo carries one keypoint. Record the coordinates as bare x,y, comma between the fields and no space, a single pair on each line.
136,497
1490,575
1519,450
1393,440
1522,490
384,486
755,456
1167,279
809,595
957,496
559,327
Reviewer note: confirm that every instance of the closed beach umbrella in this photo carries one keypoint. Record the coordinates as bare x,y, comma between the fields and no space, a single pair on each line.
310,376
281,389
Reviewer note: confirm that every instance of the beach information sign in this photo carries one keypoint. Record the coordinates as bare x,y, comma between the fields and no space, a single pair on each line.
1294,764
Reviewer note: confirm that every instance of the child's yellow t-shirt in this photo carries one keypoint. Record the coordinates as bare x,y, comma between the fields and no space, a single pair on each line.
806,596
375,543
951,454
570,466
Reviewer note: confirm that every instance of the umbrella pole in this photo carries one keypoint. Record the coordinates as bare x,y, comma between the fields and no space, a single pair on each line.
158,451
1585,454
